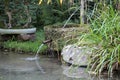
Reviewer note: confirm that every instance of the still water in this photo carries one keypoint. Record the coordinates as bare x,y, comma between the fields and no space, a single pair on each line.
14,66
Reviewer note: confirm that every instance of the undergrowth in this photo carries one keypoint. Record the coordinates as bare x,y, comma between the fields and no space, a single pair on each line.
27,46
105,36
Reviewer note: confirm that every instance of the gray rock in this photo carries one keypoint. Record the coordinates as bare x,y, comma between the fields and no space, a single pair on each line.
76,55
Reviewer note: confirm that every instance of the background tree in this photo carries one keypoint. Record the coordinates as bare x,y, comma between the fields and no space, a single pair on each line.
18,14
82,9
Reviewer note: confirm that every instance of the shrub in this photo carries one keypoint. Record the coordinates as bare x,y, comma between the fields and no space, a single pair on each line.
105,37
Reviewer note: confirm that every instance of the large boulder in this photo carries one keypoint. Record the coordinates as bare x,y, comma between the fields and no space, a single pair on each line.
64,36
76,55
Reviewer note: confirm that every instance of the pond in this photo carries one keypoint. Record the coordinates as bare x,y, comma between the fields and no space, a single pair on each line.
14,66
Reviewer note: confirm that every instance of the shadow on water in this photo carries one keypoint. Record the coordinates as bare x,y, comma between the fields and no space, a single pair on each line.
13,66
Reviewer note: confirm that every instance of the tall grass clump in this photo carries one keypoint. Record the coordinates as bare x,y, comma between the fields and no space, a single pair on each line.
105,36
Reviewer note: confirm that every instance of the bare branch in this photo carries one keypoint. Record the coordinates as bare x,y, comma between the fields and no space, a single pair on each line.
10,18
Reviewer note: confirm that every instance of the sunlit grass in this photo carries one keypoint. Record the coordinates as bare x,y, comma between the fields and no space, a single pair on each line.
105,36
27,46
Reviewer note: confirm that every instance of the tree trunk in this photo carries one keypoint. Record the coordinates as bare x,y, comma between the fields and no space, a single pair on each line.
82,12
29,17
10,18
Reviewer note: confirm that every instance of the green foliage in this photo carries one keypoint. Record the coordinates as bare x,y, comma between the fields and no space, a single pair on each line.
54,12
44,15
21,12
105,37
27,46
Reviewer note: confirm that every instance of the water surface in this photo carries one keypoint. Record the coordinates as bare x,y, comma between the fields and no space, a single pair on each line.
14,66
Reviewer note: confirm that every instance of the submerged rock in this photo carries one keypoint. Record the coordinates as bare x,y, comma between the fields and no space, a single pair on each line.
76,55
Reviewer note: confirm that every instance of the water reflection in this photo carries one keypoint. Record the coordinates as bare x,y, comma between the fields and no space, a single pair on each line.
14,67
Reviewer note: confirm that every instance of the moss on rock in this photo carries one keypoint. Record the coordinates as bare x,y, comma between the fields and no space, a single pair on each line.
63,36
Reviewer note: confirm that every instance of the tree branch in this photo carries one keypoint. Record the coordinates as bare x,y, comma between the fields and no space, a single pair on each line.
10,19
